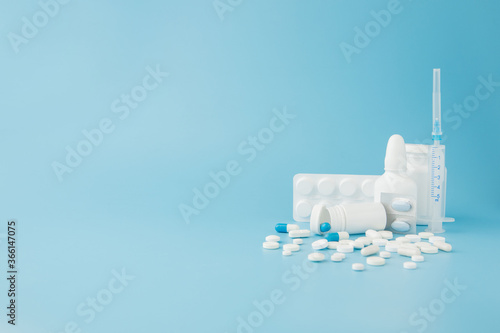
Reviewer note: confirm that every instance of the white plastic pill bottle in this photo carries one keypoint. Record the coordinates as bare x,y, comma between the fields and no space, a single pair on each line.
396,190
354,218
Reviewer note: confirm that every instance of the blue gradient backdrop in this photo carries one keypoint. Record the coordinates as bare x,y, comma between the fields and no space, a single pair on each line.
119,208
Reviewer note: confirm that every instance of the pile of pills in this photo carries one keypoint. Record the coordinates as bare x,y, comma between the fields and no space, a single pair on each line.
376,246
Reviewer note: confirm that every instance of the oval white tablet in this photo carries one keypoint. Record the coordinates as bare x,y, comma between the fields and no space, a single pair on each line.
413,238
375,261
337,257
333,245
270,245
369,250
433,239
400,226
299,233
418,258
316,256
272,238
410,265
443,246
358,267
385,254
287,253
425,235
386,234
401,205
298,241
291,247
319,244
345,248
380,242
429,249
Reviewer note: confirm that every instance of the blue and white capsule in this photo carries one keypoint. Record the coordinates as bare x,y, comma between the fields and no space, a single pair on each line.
285,227
337,236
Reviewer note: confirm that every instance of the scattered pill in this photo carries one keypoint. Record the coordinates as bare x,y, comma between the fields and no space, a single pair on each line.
380,241
437,239
284,227
429,249
287,252
299,233
291,247
343,235
358,267
392,246
320,244
369,250
346,241
272,238
345,248
372,234
385,254
324,227
410,265
443,246
316,256
402,239
340,254
409,245
298,241
270,245
337,257
386,234
375,261
333,245
358,245
425,235
418,258
365,240
413,238
408,252
422,244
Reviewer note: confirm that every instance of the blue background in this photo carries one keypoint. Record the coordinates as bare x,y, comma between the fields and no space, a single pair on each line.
120,207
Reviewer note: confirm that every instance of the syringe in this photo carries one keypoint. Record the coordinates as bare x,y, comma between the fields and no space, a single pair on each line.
436,160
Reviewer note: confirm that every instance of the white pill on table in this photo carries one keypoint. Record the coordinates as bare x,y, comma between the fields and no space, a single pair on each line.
287,252
372,234
422,244
418,258
385,254
402,239
413,238
425,235
358,245
408,252
320,244
298,241
272,238
443,246
270,245
369,250
358,267
345,248
386,234
429,249
365,240
392,246
343,235
337,257
375,261
437,239
410,265
346,241
380,241
291,247
409,245
316,256
299,233
333,245
340,254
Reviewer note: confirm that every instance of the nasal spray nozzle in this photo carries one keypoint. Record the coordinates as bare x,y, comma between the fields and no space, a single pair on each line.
436,160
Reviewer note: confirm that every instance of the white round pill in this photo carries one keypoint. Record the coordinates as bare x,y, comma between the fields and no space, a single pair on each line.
343,235
410,265
270,245
358,267
417,258
299,233
392,246
337,257
340,254
413,238
346,241
386,234
345,248
380,241
369,250
437,239
443,246
375,261
385,254
429,249
272,238
358,245
298,241
319,244
408,252
316,256
333,245
402,240
409,245
425,235
365,240
422,244
372,234
291,247
287,253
